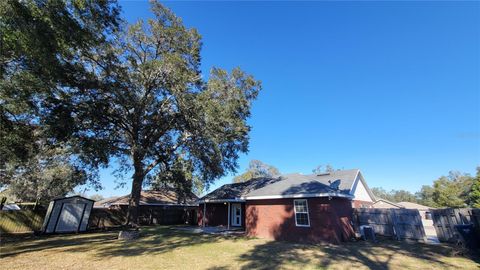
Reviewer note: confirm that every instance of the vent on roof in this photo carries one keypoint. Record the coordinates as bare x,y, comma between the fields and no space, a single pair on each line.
322,174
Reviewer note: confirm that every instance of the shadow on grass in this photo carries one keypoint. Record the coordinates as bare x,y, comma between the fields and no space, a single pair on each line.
155,239
16,245
274,254
266,255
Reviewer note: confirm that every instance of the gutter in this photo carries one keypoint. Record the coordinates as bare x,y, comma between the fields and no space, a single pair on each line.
268,197
306,195
221,200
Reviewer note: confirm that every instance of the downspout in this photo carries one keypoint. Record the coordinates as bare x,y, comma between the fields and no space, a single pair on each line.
228,217
204,213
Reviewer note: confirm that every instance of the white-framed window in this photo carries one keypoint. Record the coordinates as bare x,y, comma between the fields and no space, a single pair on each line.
300,208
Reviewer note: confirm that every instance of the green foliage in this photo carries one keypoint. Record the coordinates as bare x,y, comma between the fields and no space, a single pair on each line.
381,193
425,196
256,169
394,195
45,47
455,190
452,190
47,175
474,196
404,196
135,93
446,193
153,111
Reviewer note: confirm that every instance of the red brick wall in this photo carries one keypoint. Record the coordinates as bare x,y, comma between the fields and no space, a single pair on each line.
217,214
274,219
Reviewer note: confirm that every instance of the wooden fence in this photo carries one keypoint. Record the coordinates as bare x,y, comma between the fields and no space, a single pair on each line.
101,218
21,221
398,223
444,221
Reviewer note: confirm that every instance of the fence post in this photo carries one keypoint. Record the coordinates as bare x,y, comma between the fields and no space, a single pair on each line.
394,224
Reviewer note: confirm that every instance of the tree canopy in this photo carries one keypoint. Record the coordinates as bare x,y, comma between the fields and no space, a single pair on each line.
474,196
256,169
43,46
394,195
451,190
75,75
454,190
153,110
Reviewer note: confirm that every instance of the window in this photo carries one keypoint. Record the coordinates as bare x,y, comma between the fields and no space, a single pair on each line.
301,213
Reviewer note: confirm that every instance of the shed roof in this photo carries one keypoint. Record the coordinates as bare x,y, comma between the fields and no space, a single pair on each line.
74,196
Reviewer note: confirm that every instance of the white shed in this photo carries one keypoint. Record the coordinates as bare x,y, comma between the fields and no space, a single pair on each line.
68,214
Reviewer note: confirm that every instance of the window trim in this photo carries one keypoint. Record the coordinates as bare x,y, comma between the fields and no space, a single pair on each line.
295,212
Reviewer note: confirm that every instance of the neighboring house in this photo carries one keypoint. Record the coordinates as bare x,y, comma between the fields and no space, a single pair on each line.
386,204
309,208
422,209
105,203
163,206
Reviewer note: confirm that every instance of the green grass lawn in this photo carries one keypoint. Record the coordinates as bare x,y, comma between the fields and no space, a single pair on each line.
166,248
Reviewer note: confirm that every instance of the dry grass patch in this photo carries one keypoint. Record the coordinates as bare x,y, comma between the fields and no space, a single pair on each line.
166,248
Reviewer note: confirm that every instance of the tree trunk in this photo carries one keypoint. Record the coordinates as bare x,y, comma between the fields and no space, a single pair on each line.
134,201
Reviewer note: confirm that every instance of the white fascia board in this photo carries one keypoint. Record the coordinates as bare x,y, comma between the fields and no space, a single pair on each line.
221,200
156,204
307,195
354,183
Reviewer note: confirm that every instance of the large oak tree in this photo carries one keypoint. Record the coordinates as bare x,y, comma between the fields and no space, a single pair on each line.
155,112
75,77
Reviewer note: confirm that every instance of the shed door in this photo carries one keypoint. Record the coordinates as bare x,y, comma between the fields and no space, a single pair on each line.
69,219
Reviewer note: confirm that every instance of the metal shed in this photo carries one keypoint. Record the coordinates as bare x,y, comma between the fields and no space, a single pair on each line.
69,214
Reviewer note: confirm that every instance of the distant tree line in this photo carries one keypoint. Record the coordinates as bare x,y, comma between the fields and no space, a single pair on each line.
257,169
454,190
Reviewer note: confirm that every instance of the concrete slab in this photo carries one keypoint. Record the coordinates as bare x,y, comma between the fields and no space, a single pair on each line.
220,230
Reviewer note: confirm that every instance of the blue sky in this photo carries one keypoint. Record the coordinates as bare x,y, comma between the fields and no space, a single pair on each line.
391,88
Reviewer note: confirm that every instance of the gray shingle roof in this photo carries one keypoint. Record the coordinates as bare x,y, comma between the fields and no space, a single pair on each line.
167,196
410,205
338,182
238,190
297,184
380,200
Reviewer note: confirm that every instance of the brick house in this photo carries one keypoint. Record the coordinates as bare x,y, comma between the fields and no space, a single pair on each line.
295,207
